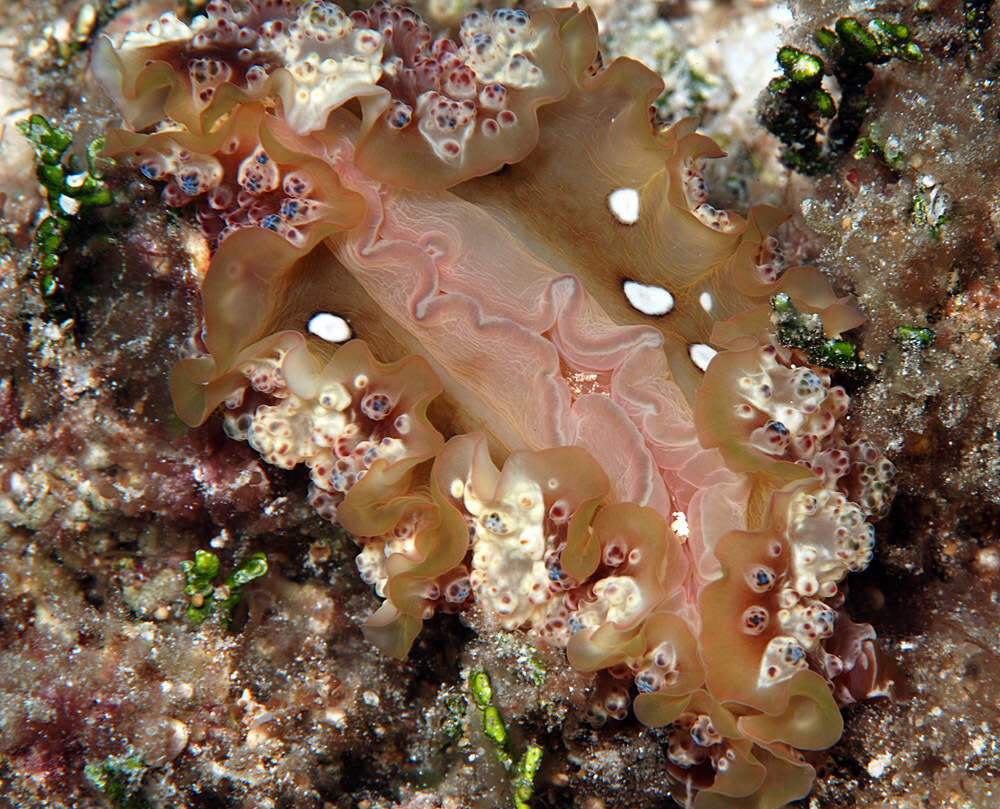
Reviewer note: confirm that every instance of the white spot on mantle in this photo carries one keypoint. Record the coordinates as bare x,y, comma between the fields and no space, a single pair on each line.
332,328
701,354
705,299
648,299
624,204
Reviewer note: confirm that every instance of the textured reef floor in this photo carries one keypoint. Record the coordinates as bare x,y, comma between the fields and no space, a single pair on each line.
113,693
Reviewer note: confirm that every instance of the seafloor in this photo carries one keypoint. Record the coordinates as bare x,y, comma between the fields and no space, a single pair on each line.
105,684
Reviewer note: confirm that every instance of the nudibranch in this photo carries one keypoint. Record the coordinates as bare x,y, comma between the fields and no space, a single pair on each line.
564,410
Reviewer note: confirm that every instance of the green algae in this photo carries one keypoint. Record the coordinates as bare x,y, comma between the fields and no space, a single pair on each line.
208,599
815,131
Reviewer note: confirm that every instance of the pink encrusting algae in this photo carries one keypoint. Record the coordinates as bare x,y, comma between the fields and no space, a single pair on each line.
664,490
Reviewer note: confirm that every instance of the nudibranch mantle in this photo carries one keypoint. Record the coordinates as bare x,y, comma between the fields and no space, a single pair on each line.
566,405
